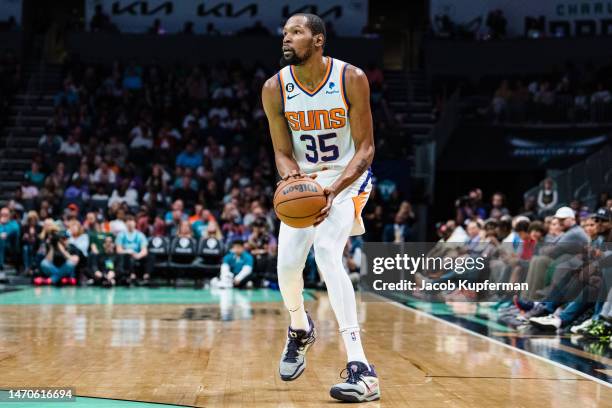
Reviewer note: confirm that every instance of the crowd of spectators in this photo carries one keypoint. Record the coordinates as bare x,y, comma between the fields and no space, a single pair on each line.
576,93
166,151
562,253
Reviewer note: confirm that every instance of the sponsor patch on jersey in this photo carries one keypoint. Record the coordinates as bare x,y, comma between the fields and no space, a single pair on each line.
331,89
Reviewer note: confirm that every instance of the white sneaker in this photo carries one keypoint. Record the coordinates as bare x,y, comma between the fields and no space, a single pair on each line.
361,384
546,322
580,328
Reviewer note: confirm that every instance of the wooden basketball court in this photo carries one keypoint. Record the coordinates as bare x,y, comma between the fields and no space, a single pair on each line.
221,349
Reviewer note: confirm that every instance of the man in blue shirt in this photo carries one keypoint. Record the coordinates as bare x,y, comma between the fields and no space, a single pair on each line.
237,265
133,252
190,157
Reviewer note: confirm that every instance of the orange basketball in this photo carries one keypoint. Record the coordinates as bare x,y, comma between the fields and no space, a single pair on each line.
298,201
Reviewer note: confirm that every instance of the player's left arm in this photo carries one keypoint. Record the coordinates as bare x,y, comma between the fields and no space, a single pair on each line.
360,117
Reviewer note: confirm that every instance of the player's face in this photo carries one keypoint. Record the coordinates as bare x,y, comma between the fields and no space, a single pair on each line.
298,42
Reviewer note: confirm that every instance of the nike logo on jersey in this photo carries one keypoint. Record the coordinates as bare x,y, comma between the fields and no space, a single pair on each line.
317,119
292,96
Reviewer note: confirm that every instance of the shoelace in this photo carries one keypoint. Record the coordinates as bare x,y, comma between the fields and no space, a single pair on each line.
295,345
353,377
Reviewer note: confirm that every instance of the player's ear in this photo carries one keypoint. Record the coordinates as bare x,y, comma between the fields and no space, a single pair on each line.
319,40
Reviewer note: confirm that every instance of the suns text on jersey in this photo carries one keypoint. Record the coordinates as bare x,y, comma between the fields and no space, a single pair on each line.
317,119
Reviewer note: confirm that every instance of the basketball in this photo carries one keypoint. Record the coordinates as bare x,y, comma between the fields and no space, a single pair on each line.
298,202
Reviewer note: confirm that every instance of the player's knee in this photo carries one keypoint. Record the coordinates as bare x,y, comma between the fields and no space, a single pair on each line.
288,266
326,255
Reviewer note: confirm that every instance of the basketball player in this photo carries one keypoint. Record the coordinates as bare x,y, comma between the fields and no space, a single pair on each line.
318,110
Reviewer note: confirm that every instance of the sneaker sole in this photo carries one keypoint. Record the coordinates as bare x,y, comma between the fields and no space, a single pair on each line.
295,375
543,326
352,396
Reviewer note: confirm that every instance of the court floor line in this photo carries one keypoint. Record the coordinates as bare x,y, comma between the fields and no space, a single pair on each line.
559,365
507,378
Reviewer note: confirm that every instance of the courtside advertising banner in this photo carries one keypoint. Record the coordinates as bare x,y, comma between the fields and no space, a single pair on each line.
348,17
597,13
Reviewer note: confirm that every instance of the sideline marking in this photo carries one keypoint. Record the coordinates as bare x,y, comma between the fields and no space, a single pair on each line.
527,353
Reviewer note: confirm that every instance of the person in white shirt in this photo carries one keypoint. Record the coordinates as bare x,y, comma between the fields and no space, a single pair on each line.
142,141
118,224
70,147
104,174
220,111
124,194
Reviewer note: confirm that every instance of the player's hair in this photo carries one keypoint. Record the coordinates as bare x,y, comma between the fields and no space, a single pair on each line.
315,24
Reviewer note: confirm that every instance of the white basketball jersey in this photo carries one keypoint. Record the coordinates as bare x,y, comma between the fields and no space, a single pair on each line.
318,119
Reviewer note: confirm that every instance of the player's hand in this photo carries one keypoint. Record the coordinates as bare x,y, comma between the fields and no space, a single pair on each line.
330,193
296,174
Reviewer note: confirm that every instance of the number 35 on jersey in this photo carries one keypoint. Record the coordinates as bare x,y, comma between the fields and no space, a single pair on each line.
318,119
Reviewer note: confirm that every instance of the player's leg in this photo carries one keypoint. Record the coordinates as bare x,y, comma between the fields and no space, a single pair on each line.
293,247
330,238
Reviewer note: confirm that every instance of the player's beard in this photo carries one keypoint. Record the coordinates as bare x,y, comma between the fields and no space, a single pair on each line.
295,59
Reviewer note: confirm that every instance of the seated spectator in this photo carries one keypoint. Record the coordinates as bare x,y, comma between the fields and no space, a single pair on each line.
30,241
158,179
213,231
35,175
69,95
133,253
78,238
58,262
118,224
176,214
104,175
76,193
236,269
49,146
351,258
399,231
193,116
59,176
473,230
132,80
262,246
124,194
200,225
498,208
547,198
116,150
107,270
186,193
9,235
190,157
29,191
71,152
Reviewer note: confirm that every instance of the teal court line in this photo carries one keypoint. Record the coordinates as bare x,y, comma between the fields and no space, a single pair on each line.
81,402
134,296
441,309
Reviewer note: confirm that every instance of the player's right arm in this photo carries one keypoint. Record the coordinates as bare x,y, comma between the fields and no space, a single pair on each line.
279,130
